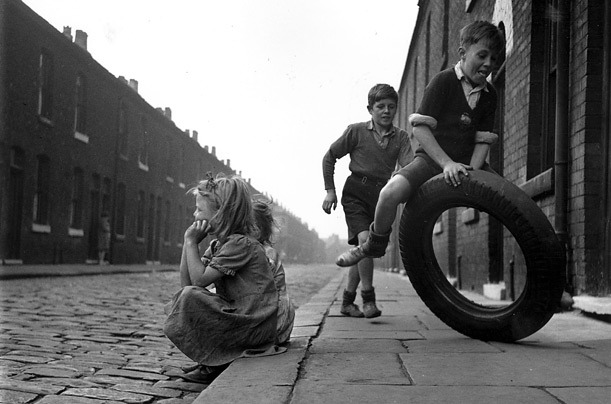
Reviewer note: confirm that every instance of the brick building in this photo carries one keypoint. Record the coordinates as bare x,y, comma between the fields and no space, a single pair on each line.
76,141
553,118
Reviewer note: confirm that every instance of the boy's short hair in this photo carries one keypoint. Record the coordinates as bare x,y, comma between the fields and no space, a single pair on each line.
482,30
380,92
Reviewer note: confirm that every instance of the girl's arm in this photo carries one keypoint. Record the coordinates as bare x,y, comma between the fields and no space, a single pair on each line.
199,275
451,169
185,278
479,155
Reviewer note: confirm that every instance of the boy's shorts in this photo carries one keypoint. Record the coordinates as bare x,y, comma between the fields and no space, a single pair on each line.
423,168
359,199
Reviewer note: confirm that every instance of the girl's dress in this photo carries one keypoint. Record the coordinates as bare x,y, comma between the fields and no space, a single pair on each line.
215,328
286,311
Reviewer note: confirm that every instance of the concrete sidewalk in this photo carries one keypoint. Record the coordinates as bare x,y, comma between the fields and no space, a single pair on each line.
408,355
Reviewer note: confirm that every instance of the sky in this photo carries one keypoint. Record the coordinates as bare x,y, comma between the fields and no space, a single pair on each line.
269,83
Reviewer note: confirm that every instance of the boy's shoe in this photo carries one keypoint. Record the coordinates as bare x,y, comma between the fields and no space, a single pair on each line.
373,247
370,310
351,310
350,257
348,307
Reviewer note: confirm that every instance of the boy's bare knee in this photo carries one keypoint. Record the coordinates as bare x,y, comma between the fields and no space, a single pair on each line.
395,192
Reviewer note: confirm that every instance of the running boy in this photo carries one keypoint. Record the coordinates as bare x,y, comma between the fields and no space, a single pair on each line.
375,148
453,126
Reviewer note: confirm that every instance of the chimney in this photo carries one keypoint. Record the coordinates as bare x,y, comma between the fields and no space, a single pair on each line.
213,150
228,163
168,113
68,32
195,135
81,39
158,109
122,79
206,149
133,84
188,132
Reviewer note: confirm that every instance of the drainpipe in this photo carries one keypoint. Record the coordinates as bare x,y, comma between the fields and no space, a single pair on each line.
562,132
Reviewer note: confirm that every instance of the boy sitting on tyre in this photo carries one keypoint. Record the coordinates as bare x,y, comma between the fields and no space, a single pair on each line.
453,127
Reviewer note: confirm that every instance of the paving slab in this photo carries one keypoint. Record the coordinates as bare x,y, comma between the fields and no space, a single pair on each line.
356,368
316,392
588,395
333,345
537,368
383,323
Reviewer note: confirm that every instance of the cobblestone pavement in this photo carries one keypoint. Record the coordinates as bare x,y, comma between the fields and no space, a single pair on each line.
94,339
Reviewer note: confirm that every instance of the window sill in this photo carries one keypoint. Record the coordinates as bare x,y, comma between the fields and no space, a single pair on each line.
45,121
166,243
82,137
75,232
540,185
169,179
41,228
120,237
181,185
143,166
179,245
469,216
123,157
140,240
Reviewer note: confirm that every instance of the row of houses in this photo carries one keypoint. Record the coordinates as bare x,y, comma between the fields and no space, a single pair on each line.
553,117
77,142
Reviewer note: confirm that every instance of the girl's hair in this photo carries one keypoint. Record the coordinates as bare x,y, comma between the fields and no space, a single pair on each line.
482,30
234,214
264,219
380,92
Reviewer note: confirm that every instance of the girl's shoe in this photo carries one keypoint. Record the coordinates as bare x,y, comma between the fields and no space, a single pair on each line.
203,374
370,310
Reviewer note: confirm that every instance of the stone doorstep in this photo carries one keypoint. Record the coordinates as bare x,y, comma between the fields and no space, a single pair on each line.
594,305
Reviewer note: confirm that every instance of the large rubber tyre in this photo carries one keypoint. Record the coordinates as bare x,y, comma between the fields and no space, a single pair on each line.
543,253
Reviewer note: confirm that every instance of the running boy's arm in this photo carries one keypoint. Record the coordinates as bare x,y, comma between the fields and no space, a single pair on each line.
338,149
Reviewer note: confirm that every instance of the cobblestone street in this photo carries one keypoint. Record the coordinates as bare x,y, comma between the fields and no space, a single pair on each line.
92,339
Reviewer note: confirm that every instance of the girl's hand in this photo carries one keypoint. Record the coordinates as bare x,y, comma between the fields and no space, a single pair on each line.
452,172
197,231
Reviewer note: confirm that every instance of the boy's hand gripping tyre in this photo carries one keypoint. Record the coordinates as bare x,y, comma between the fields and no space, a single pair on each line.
544,256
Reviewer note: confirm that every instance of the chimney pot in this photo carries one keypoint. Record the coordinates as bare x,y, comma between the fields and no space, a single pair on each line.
80,39
213,150
168,113
68,32
228,163
195,135
133,84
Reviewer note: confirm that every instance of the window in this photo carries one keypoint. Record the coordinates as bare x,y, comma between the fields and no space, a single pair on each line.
80,110
41,207
143,156
140,215
76,206
123,129
541,142
120,224
45,86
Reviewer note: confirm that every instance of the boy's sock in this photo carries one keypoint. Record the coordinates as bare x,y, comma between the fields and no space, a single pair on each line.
370,309
348,307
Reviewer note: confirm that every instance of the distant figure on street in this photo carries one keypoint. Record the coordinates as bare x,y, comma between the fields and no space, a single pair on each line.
103,238
375,148
240,319
453,126
286,312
